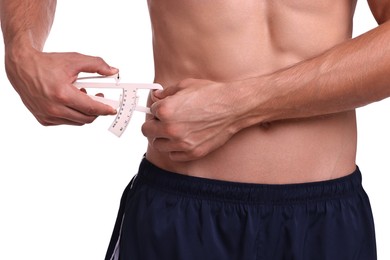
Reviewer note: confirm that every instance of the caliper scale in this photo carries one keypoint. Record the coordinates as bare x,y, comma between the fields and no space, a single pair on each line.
127,103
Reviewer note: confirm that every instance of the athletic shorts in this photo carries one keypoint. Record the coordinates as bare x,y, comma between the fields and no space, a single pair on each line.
169,216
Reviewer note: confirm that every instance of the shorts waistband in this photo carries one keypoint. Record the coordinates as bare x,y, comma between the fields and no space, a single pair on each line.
210,189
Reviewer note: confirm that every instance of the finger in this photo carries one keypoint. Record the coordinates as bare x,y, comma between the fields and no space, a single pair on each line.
66,116
167,145
158,94
84,104
189,155
77,121
60,121
97,94
164,110
154,108
154,97
168,91
92,64
181,156
57,121
77,117
163,93
162,145
154,128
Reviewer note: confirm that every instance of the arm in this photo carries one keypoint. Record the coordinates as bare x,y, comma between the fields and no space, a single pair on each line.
350,75
44,80
26,22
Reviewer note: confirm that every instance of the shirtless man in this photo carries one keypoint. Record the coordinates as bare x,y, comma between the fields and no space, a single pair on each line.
252,142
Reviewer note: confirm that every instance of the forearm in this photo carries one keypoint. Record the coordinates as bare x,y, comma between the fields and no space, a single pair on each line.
44,81
350,75
26,23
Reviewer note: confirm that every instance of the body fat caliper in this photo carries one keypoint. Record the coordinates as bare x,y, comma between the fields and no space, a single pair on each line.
127,103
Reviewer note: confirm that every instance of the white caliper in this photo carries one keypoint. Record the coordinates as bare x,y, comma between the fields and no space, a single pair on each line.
127,103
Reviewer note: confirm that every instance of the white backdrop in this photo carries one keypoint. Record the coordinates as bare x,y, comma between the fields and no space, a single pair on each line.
60,186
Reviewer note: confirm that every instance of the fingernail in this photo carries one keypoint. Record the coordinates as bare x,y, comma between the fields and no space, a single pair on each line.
158,92
113,111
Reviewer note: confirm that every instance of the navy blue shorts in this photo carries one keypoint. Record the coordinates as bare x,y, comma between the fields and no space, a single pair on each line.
169,216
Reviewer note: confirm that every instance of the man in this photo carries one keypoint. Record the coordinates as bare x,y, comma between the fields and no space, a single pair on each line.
252,142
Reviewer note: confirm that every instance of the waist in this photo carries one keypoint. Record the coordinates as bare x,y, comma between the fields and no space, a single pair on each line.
204,188
294,151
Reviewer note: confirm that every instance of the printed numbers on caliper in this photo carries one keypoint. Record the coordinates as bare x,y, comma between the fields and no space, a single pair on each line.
128,102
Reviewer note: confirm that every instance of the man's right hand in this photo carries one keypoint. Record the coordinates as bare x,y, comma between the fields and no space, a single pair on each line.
44,83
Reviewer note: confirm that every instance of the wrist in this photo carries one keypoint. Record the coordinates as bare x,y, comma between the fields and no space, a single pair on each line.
246,100
18,51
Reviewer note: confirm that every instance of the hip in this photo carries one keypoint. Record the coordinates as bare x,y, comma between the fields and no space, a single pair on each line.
171,216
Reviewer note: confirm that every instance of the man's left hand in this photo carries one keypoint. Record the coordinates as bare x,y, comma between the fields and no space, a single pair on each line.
193,118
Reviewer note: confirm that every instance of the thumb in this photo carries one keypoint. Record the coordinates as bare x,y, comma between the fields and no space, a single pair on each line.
92,64
163,93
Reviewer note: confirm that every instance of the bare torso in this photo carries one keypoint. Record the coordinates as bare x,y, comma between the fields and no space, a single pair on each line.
224,40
